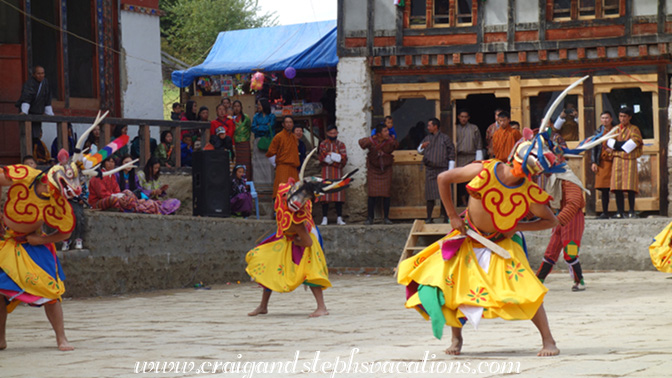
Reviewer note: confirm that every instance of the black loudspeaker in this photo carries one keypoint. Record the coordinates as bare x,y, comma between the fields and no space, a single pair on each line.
211,183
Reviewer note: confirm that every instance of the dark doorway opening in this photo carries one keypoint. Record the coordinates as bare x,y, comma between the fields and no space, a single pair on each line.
481,108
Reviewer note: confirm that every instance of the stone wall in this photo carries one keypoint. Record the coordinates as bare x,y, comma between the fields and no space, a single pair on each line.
131,253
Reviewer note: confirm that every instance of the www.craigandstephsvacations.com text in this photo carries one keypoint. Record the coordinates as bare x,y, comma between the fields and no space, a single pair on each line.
316,364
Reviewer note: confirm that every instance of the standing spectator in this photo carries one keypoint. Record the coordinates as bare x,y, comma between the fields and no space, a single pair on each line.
601,158
379,161
120,130
176,114
241,199
241,138
568,123
93,141
203,114
389,124
333,157
504,138
469,146
40,150
227,106
263,124
283,153
627,148
186,149
191,112
36,98
490,131
164,152
71,143
438,155
223,120
297,130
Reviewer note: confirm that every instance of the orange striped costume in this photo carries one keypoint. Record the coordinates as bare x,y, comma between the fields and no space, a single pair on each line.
624,175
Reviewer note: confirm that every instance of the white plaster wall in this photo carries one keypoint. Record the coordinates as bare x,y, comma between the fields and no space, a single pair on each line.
353,118
496,12
385,15
355,15
528,11
644,7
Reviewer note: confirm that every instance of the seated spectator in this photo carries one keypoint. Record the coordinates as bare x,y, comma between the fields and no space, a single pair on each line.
203,114
104,193
149,180
93,141
241,199
176,114
40,151
221,141
129,182
71,143
187,149
29,161
164,152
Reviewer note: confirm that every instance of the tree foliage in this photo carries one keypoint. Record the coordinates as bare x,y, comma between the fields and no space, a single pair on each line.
190,27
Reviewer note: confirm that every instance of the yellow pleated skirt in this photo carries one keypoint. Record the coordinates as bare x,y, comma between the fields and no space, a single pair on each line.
661,251
509,289
271,265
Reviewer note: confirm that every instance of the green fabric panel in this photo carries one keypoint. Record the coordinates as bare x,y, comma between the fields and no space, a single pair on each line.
432,299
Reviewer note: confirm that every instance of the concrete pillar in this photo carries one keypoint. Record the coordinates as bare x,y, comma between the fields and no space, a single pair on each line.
353,118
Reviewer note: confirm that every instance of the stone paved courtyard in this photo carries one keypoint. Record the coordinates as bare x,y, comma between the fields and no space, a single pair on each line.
620,326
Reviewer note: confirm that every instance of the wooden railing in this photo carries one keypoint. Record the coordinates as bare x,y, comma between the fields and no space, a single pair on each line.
176,127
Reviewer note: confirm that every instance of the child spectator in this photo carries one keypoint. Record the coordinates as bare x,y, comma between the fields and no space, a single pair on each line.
221,141
241,199
176,114
389,124
29,161
187,149
164,152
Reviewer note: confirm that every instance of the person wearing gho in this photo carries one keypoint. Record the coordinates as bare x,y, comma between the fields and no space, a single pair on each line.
490,131
379,161
438,155
36,98
333,157
469,148
601,158
627,147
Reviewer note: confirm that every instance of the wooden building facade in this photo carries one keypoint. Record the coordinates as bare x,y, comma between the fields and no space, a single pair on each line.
429,58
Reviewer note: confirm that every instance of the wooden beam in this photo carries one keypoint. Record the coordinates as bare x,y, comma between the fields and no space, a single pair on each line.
589,129
62,137
340,31
370,9
446,108
511,25
542,20
26,135
145,151
399,32
177,143
661,16
664,137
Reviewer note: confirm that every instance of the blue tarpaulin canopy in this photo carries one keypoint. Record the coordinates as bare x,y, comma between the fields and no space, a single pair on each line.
302,46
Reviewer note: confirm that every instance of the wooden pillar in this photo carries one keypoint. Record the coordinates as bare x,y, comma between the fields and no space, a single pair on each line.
26,138
177,140
145,152
589,129
378,114
663,131
106,135
62,137
445,106
516,99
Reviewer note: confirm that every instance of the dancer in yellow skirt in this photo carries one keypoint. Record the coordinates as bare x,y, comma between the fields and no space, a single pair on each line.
661,250
29,269
459,279
294,255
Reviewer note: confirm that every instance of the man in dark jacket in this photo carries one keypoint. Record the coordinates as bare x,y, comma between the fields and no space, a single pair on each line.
36,98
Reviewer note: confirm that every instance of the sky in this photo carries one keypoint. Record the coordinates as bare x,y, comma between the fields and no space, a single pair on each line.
300,11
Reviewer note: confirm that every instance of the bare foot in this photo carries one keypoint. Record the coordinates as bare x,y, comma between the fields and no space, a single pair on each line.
455,348
319,312
65,346
258,311
548,349
3,344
